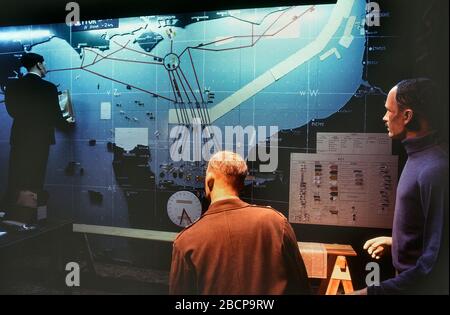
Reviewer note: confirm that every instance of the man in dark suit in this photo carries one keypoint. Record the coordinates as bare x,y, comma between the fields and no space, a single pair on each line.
33,104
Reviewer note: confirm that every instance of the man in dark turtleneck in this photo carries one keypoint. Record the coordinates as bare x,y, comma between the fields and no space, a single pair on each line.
420,230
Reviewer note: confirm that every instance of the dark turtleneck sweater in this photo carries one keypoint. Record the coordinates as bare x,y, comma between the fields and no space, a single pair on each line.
420,228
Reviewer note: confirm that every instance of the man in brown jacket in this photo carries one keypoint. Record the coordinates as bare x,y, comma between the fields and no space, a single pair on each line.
236,248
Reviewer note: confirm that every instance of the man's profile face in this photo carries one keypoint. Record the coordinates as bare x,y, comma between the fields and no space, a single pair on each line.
394,118
42,68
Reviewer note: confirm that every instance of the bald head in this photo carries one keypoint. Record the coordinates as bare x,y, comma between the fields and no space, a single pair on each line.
225,174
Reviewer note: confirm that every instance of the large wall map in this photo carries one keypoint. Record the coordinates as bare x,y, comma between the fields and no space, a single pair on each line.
302,69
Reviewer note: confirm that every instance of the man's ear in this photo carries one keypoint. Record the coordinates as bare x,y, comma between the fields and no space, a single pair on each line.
408,115
209,181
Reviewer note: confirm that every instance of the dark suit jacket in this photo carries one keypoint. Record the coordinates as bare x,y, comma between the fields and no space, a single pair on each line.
237,248
34,105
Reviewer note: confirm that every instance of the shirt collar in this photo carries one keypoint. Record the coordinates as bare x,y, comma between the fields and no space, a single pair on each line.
34,74
225,205
417,144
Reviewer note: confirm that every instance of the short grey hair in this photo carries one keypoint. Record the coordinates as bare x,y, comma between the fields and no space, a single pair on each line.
229,164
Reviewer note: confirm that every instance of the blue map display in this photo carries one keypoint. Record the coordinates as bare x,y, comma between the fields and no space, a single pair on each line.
134,79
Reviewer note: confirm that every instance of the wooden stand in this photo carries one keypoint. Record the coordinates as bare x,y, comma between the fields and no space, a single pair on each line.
341,273
338,270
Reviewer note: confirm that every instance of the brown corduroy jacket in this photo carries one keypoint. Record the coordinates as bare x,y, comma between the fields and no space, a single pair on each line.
237,248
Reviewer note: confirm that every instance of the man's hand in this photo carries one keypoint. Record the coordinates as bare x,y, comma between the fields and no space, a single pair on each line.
376,246
68,125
